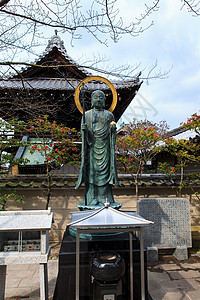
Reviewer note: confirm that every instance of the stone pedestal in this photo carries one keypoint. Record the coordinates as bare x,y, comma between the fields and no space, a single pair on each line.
2,281
181,253
118,243
152,254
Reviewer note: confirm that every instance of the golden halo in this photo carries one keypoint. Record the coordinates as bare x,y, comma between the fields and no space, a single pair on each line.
99,78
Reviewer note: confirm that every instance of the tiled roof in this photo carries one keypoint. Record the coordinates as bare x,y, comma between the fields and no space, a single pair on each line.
181,133
69,181
56,42
189,134
61,84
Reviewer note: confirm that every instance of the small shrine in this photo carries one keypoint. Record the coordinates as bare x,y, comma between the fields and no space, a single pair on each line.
106,250
24,239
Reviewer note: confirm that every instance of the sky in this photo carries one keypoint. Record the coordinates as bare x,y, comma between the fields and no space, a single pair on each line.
174,43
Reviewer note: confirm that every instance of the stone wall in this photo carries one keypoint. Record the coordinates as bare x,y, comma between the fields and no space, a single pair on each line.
63,201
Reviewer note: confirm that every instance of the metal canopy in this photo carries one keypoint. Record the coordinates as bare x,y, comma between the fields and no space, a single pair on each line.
107,219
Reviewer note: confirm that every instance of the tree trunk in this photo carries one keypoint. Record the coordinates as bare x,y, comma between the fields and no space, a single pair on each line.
136,188
136,182
3,203
181,182
48,187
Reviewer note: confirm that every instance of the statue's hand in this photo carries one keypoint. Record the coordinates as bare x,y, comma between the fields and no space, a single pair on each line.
83,127
113,126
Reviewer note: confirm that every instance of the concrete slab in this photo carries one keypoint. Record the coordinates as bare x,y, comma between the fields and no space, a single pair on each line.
27,283
11,268
158,294
155,283
165,282
13,282
175,296
184,274
21,274
159,277
168,267
193,295
168,282
17,292
182,284
190,266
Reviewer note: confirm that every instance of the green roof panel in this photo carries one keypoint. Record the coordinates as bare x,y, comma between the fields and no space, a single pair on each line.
35,158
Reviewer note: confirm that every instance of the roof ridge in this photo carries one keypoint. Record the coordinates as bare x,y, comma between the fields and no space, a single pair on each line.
176,131
56,41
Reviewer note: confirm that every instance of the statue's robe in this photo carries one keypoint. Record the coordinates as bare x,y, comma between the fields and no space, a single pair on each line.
98,166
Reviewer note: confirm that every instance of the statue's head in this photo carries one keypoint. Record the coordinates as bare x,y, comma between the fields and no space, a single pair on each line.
98,99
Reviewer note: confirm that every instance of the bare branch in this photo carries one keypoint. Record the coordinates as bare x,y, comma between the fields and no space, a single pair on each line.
117,72
192,6
149,10
3,2
56,25
159,74
69,15
110,21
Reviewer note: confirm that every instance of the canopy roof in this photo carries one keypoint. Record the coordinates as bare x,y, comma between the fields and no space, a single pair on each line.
107,217
26,220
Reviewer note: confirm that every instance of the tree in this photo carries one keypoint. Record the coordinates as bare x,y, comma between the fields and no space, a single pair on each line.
10,140
11,133
193,123
139,145
98,18
23,25
4,197
56,144
185,152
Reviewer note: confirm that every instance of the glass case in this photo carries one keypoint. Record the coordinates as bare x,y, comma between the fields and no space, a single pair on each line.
20,241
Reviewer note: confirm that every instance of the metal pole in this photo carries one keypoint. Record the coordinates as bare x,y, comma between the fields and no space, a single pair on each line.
77,263
142,263
83,91
131,264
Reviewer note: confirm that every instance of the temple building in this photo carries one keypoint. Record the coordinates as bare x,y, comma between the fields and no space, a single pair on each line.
47,87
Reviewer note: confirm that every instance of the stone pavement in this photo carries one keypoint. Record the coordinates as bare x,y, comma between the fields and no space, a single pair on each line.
175,280
23,281
171,280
